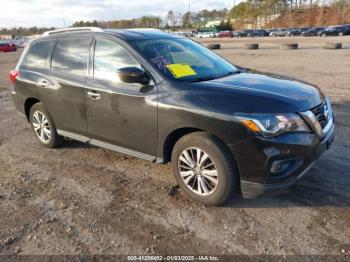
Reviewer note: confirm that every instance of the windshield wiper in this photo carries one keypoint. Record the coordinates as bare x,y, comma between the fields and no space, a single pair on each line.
201,79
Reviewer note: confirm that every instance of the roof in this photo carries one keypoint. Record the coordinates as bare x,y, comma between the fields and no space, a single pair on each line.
141,34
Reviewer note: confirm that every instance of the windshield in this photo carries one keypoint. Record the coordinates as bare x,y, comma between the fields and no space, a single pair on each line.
183,59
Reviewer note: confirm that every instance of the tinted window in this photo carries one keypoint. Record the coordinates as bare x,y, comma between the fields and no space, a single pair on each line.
37,55
71,56
109,57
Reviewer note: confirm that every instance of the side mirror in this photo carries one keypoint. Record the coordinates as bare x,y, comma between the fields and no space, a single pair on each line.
133,75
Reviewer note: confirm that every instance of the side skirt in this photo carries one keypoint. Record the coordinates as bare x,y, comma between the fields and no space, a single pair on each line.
119,149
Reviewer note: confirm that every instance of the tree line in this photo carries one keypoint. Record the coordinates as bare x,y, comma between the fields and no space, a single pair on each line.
142,22
289,13
24,31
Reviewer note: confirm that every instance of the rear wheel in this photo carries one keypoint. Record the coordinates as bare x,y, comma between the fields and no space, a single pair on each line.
204,168
43,126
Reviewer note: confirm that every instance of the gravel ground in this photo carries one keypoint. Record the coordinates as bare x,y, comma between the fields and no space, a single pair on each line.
81,199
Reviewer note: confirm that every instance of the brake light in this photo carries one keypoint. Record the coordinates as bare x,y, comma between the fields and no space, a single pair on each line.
13,76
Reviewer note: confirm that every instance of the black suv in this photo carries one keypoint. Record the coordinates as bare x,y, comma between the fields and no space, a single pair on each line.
251,33
312,31
335,31
163,97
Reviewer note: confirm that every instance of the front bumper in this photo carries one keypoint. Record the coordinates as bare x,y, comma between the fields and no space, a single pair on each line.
301,149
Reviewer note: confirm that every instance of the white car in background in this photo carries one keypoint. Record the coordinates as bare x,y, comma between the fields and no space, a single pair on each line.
205,35
20,43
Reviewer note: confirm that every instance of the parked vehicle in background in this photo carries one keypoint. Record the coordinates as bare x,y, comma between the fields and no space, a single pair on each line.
205,35
6,46
269,30
19,43
293,32
165,98
242,33
339,30
180,34
260,33
312,31
225,34
279,32
250,33
296,31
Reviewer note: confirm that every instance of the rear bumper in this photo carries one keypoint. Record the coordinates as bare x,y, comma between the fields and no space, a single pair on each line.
19,102
306,156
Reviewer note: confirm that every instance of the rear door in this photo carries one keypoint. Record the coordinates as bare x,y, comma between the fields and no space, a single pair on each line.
118,113
62,89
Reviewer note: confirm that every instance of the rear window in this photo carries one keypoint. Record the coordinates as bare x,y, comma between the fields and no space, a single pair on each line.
71,56
36,56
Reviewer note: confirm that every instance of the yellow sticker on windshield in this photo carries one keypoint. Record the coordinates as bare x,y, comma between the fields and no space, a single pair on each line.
180,70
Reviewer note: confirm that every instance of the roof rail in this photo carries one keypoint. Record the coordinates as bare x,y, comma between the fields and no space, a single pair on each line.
143,28
72,29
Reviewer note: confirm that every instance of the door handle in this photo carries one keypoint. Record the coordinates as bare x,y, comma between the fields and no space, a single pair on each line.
94,95
43,83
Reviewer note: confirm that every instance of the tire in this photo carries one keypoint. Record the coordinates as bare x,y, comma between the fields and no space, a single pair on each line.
289,46
219,162
332,46
340,34
252,46
323,35
47,133
214,46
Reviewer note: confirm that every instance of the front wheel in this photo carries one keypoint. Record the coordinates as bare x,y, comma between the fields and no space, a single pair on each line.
204,168
43,126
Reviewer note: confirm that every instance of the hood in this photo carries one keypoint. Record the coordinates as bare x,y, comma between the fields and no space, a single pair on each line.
267,92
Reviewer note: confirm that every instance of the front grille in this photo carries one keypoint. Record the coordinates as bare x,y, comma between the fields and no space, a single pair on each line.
320,113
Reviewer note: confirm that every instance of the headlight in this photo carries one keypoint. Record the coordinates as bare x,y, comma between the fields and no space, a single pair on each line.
273,125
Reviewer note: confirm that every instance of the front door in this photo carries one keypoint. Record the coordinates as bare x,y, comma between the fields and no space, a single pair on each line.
119,113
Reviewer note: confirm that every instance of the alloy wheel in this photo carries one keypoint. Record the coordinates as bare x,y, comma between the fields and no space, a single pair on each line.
41,127
198,171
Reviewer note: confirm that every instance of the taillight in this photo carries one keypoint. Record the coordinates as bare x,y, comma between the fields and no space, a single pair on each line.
13,76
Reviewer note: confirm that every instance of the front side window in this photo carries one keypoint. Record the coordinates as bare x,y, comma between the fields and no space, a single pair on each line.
37,55
183,59
109,57
71,56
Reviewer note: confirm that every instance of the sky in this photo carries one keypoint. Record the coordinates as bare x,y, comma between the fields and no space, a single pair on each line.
59,13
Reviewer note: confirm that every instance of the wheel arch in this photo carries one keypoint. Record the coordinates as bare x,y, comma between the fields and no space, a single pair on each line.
172,138
28,105
176,134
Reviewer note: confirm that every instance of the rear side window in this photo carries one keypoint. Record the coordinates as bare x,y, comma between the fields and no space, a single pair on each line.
71,56
37,55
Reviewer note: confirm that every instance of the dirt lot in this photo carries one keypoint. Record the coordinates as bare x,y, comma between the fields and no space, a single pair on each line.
81,199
